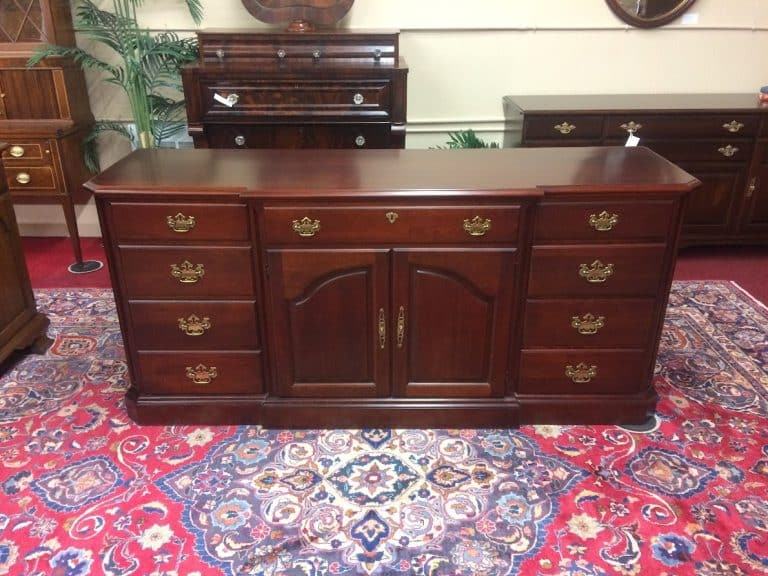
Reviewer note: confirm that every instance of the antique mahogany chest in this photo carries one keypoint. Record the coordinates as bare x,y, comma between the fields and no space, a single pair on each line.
325,288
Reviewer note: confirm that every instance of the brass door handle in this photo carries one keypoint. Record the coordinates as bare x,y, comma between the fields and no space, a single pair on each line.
596,272
603,222
581,373
400,327
194,325
588,324
306,227
23,178
201,374
187,273
180,223
382,329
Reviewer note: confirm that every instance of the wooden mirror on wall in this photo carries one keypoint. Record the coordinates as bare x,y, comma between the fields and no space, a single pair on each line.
302,15
648,13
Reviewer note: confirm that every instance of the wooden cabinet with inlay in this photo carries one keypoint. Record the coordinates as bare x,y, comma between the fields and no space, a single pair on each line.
334,288
719,138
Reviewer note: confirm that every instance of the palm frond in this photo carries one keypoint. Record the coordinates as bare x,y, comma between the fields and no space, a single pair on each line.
80,56
466,139
90,151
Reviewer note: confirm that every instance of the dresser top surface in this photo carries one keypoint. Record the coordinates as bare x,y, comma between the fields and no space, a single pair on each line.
392,173
548,103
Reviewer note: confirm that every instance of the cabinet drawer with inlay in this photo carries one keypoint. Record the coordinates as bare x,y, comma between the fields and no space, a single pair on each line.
596,271
201,372
158,222
187,272
30,178
587,323
21,152
194,325
583,371
564,127
602,221
390,224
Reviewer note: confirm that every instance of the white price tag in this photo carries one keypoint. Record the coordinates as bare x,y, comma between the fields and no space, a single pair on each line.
228,102
632,141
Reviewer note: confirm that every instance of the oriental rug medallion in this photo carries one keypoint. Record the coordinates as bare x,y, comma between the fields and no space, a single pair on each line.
85,491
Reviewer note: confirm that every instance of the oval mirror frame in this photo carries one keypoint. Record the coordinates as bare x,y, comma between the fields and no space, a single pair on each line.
302,14
649,22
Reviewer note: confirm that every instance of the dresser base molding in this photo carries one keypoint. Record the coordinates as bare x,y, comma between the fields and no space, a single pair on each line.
32,337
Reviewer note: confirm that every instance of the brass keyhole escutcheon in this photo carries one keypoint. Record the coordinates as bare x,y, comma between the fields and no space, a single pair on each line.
391,216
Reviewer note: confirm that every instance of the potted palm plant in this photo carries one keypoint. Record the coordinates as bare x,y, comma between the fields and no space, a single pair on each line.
145,65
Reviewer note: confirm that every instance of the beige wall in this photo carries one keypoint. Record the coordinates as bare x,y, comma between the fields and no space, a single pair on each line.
461,65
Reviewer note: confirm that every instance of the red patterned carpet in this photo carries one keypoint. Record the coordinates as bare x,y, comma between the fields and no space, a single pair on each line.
87,492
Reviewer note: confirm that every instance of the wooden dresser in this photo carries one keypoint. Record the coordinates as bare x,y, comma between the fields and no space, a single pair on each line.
21,325
44,111
306,288
722,139
332,89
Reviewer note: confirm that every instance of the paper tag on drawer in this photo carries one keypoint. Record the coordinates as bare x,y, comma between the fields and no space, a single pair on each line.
229,102
632,141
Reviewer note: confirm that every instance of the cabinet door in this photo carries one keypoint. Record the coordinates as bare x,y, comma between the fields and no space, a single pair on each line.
451,317
29,95
755,215
324,316
711,206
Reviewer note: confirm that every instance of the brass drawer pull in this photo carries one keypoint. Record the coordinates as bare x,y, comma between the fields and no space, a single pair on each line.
194,325
733,126
180,223
17,151
596,272
728,151
23,178
477,226
201,374
400,327
603,222
306,227
187,273
631,127
581,373
382,329
588,324
751,188
565,128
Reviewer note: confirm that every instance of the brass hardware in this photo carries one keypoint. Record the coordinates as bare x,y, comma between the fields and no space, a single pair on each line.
596,272
752,187
733,126
306,227
180,223
603,221
201,374
316,54
220,54
194,326
23,178
382,329
400,327
358,98
240,140
588,324
281,53
477,226
16,151
377,54
631,127
582,373
233,99
391,216
728,151
360,141
565,128
187,273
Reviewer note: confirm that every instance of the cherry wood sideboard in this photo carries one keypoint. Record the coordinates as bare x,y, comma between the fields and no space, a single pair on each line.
324,89
44,111
722,139
21,325
325,288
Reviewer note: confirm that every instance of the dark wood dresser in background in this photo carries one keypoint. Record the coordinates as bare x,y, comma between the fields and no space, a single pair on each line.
722,139
324,89
21,325
419,288
44,111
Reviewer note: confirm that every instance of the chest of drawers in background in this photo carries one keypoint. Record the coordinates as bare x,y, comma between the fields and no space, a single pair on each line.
722,139
331,89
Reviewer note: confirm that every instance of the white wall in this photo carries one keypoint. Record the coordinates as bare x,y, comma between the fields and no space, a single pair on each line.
462,64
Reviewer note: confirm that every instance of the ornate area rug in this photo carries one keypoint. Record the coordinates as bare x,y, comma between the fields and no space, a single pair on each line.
85,491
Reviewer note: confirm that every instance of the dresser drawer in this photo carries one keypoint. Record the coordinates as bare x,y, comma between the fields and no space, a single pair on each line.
208,272
731,151
362,135
137,222
596,271
200,373
563,127
586,323
26,151
309,225
194,325
30,178
680,125
583,372
275,97
603,221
